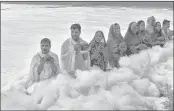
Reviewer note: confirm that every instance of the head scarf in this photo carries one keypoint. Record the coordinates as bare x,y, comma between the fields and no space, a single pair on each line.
114,40
103,38
139,22
131,38
149,26
158,34
141,33
112,34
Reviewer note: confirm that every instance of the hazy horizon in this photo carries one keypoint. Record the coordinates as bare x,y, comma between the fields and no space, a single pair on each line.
100,3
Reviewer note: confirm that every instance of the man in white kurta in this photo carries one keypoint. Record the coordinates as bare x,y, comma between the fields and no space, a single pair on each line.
43,71
44,65
74,52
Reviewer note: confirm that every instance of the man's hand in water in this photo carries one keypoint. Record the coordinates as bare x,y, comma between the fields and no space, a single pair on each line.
41,65
77,48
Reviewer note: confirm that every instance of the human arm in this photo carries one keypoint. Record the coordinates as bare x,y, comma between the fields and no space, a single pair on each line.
54,62
33,74
66,50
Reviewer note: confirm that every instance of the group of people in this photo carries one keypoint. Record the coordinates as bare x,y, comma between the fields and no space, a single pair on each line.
76,53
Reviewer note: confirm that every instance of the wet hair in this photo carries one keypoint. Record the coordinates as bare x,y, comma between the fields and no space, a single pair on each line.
140,21
76,26
46,40
165,21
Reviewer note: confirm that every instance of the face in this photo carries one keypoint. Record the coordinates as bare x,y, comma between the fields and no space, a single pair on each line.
158,27
142,26
167,25
135,29
75,34
117,29
45,47
98,36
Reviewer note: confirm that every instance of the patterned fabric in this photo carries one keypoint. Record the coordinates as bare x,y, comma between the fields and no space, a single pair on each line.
97,55
117,52
114,48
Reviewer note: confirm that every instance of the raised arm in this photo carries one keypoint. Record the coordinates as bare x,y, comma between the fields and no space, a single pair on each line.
65,51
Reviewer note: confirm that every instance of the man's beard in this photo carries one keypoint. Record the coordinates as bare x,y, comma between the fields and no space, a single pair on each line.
75,38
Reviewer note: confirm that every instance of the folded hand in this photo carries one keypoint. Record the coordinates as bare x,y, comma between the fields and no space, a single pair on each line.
77,47
122,45
50,59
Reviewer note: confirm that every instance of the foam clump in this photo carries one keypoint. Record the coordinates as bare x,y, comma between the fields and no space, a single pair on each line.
134,86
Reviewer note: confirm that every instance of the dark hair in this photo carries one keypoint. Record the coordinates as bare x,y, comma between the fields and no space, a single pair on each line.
101,33
140,21
76,26
45,40
165,21
157,23
116,24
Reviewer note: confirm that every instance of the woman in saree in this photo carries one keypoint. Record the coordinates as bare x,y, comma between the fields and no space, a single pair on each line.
143,34
142,31
133,40
150,29
98,51
150,25
116,45
158,38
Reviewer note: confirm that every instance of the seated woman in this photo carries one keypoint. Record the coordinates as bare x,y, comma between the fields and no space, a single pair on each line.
142,31
150,24
158,38
98,51
133,40
116,45
150,28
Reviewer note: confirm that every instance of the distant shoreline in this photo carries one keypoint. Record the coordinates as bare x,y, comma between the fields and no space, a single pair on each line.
101,3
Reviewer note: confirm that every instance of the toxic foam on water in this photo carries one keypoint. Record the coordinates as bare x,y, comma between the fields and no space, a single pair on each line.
128,87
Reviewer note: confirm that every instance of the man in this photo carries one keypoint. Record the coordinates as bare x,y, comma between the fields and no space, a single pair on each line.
167,33
44,65
74,51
